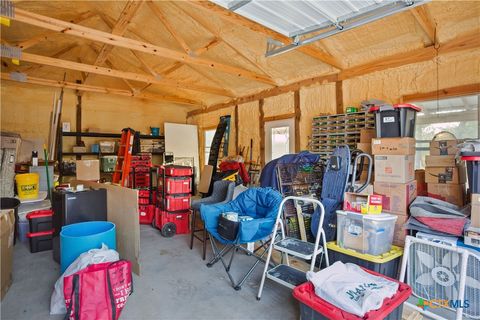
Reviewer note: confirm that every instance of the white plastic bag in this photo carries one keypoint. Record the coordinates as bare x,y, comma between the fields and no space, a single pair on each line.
57,302
352,289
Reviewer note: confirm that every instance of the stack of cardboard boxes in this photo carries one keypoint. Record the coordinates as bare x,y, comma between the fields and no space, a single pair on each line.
445,177
395,179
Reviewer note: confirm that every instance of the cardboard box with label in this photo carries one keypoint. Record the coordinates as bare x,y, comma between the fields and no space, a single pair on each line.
400,232
88,170
393,146
366,135
453,193
441,161
7,226
443,147
365,147
472,237
475,216
450,175
396,196
362,203
394,168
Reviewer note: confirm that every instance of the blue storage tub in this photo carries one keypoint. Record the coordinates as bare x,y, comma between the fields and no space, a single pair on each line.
78,238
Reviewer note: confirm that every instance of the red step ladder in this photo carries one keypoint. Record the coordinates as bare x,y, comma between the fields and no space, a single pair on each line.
122,167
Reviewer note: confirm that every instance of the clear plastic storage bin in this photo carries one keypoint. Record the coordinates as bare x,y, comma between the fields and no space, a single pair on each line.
368,234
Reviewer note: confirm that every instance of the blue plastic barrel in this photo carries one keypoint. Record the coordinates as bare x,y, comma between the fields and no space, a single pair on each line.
78,238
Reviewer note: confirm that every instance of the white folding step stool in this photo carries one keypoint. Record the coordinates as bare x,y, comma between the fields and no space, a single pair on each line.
283,273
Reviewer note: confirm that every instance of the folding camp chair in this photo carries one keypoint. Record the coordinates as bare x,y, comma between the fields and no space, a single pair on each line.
261,204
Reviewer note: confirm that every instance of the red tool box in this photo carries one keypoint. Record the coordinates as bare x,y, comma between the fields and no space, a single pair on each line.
177,171
177,202
172,223
146,213
178,185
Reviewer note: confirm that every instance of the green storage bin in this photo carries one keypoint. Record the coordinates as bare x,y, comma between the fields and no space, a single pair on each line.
108,163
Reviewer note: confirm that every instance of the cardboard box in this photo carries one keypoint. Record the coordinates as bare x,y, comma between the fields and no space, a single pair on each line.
79,149
366,135
400,232
7,226
362,203
396,196
449,175
393,146
475,216
441,161
421,184
88,170
205,179
395,169
443,147
453,193
365,147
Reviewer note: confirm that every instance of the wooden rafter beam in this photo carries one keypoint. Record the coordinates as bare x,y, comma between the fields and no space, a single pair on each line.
464,90
171,29
65,64
469,41
57,54
199,51
46,35
217,35
107,38
127,14
423,18
105,90
254,26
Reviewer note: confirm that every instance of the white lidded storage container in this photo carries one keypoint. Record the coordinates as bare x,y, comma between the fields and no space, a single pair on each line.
365,233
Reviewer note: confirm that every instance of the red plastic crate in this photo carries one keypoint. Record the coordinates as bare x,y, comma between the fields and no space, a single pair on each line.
146,214
144,193
176,202
143,201
171,223
142,156
178,185
141,169
178,171
314,307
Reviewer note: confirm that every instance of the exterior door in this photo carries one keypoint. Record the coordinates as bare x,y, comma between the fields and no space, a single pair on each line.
279,138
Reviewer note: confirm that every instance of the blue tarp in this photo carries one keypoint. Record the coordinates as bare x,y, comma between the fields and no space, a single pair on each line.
268,177
261,204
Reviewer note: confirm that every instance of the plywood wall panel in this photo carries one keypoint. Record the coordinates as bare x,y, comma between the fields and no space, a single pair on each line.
249,127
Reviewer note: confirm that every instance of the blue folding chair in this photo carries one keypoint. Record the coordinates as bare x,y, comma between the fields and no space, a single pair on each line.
262,205
335,181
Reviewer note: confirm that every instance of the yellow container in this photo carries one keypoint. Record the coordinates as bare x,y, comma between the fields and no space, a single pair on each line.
27,185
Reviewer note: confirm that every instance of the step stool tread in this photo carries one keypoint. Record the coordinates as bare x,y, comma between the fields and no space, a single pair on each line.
287,275
297,247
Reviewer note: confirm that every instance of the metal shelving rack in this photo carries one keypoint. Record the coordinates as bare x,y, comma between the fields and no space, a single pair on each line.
329,131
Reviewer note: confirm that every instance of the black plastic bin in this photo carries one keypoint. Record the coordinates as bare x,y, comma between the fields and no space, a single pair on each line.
395,121
41,220
40,241
387,264
473,170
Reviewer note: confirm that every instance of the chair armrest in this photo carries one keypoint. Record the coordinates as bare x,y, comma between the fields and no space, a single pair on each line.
256,229
210,214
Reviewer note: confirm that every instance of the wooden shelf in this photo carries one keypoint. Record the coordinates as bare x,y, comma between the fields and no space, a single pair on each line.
106,135
330,131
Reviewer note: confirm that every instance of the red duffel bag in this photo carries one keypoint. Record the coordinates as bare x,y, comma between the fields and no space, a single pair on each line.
99,291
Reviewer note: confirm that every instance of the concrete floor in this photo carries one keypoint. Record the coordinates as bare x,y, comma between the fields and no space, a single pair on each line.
175,284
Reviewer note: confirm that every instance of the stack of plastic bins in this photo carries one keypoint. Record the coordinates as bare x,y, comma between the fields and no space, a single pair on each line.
395,121
473,170
41,230
141,171
174,199
387,264
312,307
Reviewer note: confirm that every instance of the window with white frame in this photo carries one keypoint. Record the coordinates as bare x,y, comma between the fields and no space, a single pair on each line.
208,138
459,116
